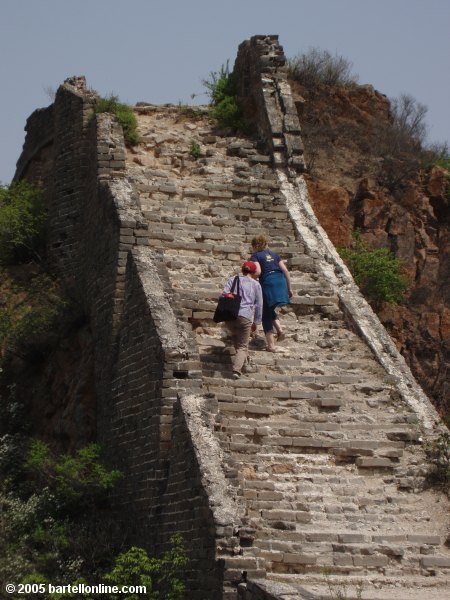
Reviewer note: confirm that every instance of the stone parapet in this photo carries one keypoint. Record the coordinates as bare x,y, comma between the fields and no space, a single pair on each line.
264,93
39,135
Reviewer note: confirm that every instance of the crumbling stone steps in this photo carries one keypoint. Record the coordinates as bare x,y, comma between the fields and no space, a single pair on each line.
287,510
372,586
206,209
286,515
287,507
312,423
343,450
315,443
349,546
349,552
315,402
315,405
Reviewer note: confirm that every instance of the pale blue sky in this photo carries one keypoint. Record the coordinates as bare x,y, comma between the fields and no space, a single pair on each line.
159,51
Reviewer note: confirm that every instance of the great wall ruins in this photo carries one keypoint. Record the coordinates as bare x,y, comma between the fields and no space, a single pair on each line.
308,471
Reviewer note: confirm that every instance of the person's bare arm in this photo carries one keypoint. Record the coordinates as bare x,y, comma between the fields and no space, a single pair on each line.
284,268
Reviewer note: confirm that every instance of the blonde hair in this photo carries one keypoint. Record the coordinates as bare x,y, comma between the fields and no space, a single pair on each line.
259,242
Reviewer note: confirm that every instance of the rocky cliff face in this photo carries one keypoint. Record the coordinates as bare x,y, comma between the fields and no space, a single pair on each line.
400,206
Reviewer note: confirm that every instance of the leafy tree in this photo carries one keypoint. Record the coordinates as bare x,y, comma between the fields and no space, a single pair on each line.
163,577
52,525
377,272
77,482
23,221
42,519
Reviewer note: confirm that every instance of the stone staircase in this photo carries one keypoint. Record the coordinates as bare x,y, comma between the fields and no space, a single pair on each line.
325,458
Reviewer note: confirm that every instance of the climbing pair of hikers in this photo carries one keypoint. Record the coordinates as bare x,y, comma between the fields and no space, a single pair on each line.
258,300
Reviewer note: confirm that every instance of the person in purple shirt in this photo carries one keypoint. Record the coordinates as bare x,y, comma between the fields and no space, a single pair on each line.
249,317
276,287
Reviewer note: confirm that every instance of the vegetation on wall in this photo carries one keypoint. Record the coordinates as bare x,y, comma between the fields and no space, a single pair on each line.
195,150
378,273
125,116
225,109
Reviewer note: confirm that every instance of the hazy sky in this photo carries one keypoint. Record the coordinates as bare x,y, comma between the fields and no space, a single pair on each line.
159,51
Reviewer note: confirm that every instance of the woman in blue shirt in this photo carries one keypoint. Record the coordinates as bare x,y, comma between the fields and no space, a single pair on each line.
276,287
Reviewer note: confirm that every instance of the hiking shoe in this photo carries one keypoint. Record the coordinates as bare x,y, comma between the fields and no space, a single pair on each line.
236,375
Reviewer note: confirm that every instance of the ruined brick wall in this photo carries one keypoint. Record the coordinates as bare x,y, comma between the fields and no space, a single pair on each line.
35,163
72,110
144,357
152,417
264,94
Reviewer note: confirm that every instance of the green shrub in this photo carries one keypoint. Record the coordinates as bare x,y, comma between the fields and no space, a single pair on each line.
377,272
124,114
220,84
318,67
23,220
228,113
195,151
221,88
163,577
44,523
77,482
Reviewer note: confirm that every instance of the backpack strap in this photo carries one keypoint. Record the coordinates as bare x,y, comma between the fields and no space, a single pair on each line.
236,283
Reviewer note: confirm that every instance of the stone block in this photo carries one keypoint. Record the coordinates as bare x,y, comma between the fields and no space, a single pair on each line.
281,515
292,124
300,559
370,561
373,463
435,562
433,540
352,538
329,403
342,559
